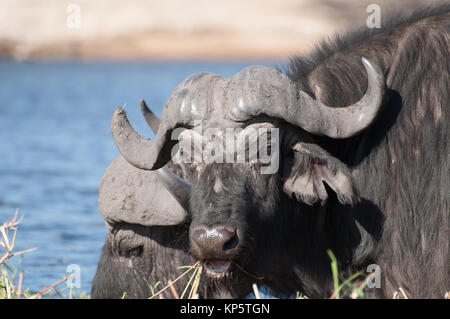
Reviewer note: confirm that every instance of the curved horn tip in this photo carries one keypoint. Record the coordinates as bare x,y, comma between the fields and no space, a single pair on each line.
152,120
144,107
119,115
119,110
369,65
375,73
138,151
143,104
365,61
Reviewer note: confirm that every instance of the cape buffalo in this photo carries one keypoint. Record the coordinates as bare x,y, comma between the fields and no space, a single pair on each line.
363,170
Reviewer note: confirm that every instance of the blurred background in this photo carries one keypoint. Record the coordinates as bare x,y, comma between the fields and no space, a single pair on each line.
177,29
66,65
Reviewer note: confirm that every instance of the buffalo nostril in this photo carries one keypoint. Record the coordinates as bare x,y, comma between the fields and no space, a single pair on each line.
215,241
232,242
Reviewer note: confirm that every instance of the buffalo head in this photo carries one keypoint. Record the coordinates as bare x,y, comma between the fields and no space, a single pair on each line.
233,206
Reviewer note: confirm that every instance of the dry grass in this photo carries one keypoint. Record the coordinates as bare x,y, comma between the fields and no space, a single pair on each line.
8,288
193,282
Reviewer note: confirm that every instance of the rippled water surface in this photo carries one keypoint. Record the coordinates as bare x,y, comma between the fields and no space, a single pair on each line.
55,145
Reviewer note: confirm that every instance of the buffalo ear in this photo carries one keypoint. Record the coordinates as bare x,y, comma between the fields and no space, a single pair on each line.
134,196
311,168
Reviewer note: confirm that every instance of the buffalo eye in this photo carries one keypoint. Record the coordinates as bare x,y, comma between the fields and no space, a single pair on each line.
125,243
134,252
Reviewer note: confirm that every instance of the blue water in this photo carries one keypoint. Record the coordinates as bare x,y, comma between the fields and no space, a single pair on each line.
55,146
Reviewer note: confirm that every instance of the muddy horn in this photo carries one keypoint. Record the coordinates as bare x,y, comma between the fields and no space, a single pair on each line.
138,151
143,153
261,90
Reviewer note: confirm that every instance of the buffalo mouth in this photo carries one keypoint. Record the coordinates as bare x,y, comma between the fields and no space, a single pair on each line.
217,268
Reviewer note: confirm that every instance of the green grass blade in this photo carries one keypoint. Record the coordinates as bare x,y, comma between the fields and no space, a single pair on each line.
334,269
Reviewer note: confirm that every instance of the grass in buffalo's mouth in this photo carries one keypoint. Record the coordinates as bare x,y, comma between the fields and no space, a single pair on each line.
197,267
193,282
